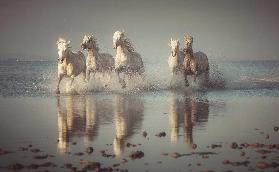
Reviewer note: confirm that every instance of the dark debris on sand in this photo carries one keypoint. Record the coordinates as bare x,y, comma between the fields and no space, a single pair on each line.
161,134
89,150
104,154
136,154
144,134
41,156
4,152
236,163
265,165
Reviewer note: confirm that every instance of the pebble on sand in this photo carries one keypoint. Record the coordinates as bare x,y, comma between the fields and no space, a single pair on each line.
16,166
40,156
175,155
144,133
35,150
213,146
234,145
161,134
79,153
136,155
262,165
89,150
194,146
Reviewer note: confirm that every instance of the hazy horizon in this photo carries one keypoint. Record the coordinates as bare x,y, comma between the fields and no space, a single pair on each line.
233,30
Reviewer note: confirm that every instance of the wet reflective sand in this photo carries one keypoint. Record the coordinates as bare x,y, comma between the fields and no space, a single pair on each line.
54,133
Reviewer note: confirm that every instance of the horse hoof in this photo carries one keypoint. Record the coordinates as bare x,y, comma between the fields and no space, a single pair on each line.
57,92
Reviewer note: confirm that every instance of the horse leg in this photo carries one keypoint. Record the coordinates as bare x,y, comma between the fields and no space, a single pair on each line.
87,75
206,78
84,76
119,78
57,88
72,79
123,81
185,78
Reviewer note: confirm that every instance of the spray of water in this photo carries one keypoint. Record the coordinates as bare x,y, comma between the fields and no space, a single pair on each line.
155,79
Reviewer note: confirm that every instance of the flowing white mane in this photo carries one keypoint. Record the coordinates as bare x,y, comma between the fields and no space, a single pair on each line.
63,44
91,42
96,61
118,35
188,41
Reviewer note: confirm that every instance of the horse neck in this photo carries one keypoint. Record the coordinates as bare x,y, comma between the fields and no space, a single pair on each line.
92,53
189,52
69,56
120,49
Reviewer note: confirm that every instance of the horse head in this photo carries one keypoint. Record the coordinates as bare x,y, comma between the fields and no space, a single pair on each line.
89,42
188,40
117,38
62,46
174,44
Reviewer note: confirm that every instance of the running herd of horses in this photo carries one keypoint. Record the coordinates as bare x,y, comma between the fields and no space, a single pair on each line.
127,62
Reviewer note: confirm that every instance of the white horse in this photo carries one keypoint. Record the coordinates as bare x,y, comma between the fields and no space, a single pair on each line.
127,61
176,58
195,64
70,64
96,61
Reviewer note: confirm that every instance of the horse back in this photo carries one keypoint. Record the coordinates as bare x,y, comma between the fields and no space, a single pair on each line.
201,60
107,60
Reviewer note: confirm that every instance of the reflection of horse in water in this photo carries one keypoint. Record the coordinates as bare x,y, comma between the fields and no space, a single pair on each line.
187,112
128,115
79,116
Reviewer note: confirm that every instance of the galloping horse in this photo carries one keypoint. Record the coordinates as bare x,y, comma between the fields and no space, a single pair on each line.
96,61
176,57
70,64
194,64
127,61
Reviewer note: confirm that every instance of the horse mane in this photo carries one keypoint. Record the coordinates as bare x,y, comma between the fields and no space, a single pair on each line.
95,44
128,45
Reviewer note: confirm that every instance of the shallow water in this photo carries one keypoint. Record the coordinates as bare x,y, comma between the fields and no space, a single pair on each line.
62,127
65,125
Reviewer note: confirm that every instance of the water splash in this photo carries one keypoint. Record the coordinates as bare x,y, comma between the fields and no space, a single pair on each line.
36,78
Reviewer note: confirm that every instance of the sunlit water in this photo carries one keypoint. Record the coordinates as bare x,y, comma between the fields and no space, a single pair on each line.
112,119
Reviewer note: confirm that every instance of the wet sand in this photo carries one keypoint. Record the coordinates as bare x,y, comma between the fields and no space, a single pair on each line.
172,131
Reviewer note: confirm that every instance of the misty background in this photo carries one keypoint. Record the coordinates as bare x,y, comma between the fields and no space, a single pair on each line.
223,29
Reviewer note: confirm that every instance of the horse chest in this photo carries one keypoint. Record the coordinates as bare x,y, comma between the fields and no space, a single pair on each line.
173,62
120,59
91,63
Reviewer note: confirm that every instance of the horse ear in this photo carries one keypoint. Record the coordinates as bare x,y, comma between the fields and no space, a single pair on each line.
171,39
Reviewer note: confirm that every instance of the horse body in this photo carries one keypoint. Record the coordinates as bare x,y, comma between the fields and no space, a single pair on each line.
73,65
98,62
194,64
95,61
176,62
70,64
127,61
